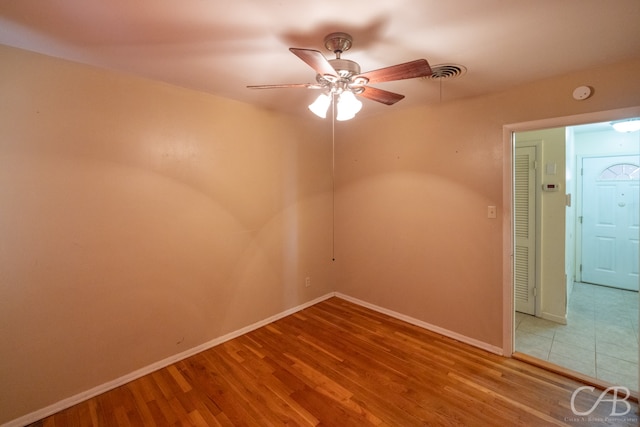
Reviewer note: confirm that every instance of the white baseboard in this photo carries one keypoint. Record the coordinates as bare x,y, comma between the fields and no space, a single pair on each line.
447,333
81,397
554,318
88,394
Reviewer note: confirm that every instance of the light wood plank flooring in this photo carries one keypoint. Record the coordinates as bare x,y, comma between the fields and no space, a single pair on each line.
339,364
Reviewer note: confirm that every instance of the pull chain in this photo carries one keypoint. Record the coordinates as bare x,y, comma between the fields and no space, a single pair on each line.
333,178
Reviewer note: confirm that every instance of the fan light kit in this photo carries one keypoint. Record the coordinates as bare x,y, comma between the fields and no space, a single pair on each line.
341,79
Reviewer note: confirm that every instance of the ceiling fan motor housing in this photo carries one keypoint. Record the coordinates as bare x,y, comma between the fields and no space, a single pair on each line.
345,68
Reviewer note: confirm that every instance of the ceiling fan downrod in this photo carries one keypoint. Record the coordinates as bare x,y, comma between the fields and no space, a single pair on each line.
339,43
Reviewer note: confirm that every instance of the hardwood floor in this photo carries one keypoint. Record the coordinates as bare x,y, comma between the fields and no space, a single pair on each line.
339,364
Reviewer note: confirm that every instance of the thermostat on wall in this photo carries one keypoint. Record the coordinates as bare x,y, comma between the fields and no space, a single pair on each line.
550,187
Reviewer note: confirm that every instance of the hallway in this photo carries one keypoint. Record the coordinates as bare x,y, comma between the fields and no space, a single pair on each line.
600,338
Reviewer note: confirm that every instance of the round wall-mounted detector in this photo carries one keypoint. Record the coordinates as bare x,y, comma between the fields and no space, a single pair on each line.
581,92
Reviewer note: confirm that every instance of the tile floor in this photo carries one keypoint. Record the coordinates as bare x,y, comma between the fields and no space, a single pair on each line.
600,338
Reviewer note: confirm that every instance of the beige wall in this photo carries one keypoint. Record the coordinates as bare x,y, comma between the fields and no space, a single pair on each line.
139,220
413,233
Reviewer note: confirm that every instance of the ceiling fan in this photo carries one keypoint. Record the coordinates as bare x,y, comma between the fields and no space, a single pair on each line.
341,78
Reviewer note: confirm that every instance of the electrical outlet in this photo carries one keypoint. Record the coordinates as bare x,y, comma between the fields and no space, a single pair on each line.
307,282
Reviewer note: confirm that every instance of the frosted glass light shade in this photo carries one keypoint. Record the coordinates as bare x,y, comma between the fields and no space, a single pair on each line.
630,125
321,105
348,106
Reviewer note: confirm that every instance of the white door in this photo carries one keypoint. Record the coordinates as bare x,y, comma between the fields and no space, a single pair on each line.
524,227
610,221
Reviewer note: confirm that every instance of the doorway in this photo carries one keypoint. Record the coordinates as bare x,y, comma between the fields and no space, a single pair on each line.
582,299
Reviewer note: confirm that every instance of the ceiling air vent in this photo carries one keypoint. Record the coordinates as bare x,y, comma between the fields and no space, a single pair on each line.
446,71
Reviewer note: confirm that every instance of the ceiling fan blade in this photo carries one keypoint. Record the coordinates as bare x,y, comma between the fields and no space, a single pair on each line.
316,60
408,70
290,85
380,95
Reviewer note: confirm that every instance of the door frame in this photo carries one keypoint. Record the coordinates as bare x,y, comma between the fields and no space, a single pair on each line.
508,151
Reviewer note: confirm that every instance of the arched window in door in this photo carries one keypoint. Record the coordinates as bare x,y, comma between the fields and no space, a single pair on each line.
621,172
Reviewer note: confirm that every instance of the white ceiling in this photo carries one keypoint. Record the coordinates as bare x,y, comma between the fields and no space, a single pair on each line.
221,46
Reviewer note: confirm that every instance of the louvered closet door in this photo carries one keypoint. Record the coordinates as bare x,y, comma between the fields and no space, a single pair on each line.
525,236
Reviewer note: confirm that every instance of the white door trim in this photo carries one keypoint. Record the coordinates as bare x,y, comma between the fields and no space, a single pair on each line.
508,130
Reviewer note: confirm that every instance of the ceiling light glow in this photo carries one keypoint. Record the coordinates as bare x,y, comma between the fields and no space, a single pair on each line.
348,106
321,105
629,125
